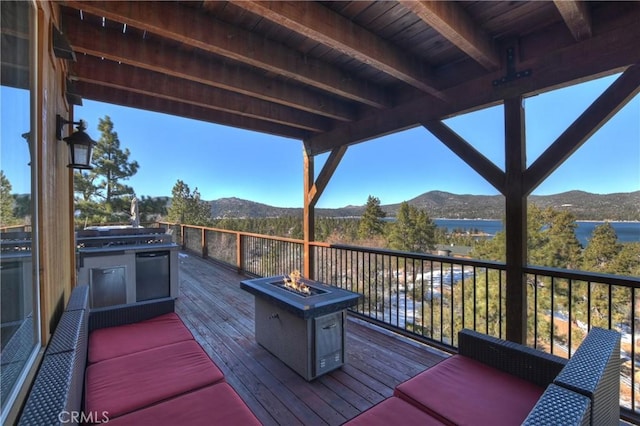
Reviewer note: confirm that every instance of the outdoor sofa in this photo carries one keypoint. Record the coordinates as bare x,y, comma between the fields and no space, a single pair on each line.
495,382
129,364
139,364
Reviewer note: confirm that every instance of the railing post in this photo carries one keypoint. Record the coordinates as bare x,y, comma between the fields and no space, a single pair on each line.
203,241
239,251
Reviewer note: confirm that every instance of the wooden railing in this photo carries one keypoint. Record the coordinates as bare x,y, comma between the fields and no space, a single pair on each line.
15,228
430,298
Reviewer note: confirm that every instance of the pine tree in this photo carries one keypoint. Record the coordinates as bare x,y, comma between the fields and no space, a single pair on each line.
551,240
562,248
602,249
627,262
6,201
150,207
187,207
101,188
371,223
413,230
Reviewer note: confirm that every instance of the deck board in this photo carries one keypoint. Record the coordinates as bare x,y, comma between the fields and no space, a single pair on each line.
220,316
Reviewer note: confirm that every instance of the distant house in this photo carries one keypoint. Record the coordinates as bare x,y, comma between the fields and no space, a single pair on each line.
453,250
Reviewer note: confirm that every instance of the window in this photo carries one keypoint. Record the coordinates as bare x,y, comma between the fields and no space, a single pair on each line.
19,313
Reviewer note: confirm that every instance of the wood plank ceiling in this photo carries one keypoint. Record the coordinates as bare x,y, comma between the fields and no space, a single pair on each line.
337,73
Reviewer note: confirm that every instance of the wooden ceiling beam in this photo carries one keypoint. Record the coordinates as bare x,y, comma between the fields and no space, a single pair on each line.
605,53
468,153
325,174
140,101
576,16
154,56
187,25
108,73
320,24
454,24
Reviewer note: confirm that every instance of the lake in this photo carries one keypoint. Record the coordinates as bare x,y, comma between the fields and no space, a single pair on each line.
626,231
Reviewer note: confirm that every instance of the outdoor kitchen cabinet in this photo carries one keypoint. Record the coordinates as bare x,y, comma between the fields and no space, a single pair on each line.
153,275
127,268
107,286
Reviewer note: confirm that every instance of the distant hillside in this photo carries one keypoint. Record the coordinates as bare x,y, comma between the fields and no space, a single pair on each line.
452,206
236,207
438,204
587,206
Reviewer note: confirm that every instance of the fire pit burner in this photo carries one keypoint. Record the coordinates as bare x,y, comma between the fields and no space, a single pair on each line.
297,285
304,330
306,293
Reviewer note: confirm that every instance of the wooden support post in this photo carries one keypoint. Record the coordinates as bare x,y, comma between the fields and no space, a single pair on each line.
516,220
308,215
312,192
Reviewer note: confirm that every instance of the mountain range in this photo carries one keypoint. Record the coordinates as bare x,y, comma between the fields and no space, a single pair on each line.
439,204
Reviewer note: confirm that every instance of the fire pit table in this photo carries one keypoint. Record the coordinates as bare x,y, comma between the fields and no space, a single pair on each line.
304,329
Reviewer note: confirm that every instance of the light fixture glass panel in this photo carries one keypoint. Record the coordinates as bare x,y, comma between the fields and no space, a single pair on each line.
80,155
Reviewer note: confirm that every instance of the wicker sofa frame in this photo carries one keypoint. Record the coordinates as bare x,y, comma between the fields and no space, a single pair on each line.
584,390
56,395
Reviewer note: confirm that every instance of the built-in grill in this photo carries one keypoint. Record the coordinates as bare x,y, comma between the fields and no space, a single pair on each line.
304,330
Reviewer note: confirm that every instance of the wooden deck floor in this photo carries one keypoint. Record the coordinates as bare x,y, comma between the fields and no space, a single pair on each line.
220,315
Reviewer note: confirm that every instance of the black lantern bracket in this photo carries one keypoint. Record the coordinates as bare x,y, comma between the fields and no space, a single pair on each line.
61,122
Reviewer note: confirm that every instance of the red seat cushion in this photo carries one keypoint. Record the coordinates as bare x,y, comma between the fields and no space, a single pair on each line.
106,343
394,411
213,405
120,385
463,391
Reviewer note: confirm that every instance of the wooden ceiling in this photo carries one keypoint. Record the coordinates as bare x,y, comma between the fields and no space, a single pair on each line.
337,73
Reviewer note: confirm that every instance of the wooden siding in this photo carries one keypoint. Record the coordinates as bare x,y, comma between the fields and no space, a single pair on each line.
53,180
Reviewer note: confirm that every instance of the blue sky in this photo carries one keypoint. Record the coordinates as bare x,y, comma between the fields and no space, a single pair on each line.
226,162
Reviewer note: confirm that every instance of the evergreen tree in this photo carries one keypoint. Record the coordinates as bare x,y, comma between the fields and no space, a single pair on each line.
151,208
187,207
562,248
627,262
602,249
6,201
413,230
551,240
101,188
22,207
371,223
83,185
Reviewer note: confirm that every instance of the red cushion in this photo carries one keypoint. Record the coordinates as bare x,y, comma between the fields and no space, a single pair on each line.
120,385
463,391
213,405
106,343
394,411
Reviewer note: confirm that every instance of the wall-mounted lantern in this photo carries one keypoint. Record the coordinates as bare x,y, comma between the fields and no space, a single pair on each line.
80,144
